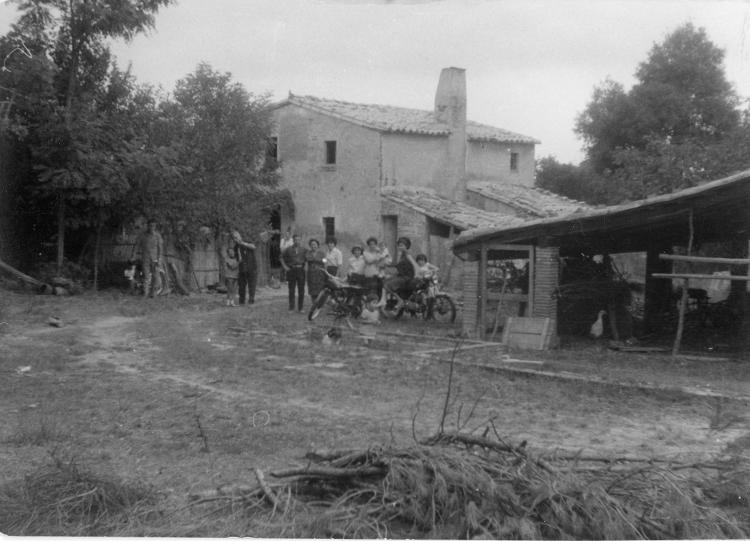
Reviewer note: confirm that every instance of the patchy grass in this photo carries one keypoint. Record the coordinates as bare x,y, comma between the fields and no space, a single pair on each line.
188,395
65,499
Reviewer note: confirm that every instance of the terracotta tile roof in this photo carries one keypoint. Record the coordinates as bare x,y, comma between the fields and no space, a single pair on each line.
703,195
441,209
387,118
534,202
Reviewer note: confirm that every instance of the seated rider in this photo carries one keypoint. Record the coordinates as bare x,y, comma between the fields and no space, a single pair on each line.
424,269
404,282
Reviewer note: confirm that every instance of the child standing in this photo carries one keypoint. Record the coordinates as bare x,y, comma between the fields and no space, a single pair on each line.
231,271
355,272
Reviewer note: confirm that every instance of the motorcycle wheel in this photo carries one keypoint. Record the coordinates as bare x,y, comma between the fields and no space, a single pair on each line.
443,309
317,306
390,310
354,305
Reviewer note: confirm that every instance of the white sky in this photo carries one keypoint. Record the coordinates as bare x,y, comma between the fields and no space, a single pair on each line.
531,65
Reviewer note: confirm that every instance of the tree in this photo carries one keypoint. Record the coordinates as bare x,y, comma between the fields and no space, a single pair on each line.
213,135
681,95
76,153
576,182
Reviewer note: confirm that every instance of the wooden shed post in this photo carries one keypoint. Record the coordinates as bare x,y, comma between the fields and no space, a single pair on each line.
658,293
483,291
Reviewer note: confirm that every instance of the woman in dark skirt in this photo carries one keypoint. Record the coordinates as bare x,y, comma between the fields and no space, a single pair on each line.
316,278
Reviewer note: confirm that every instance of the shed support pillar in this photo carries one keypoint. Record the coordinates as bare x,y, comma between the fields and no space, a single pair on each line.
658,292
471,299
546,280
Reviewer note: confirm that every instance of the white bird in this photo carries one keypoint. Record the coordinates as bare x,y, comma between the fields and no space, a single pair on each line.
597,329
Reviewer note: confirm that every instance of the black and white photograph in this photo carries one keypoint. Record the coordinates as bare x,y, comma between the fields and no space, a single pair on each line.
363,269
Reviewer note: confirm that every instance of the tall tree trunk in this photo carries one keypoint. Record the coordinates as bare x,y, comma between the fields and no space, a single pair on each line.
97,245
60,232
74,60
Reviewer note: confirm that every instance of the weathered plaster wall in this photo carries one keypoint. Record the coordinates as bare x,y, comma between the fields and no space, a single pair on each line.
414,160
348,191
491,161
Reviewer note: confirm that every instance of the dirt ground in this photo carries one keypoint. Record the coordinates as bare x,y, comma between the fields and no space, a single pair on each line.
187,394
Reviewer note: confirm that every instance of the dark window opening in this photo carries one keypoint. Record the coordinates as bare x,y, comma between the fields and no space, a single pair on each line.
272,153
330,152
514,161
274,245
330,226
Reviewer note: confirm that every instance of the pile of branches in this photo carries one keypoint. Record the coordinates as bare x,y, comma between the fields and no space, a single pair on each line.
465,486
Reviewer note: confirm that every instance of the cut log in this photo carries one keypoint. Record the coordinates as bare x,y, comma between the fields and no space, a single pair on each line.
21,276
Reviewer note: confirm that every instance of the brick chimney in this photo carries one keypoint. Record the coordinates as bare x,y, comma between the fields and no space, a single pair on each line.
450,108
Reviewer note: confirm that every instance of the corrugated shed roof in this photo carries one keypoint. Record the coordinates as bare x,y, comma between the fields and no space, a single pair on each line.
533,201
388,118
696,195
441,209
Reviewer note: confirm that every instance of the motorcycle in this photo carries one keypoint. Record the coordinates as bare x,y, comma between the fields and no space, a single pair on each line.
346,300
425,301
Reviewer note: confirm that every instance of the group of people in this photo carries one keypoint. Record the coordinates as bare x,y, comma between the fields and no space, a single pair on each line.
303,267
365,267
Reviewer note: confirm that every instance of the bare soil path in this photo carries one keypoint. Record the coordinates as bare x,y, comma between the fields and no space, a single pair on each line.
188,394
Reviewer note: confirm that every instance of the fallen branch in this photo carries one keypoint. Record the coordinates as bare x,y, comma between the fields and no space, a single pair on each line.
469,439
266,489
21,276
336,473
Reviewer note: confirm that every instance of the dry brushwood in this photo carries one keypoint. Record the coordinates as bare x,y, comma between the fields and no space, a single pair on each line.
462,486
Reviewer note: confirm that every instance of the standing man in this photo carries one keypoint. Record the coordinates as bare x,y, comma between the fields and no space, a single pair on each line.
293,261
247,272
151,248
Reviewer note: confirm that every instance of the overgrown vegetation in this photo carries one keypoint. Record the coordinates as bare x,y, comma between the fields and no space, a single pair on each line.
65,498
97,150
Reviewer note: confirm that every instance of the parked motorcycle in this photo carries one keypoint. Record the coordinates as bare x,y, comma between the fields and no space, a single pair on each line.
345,300
425,301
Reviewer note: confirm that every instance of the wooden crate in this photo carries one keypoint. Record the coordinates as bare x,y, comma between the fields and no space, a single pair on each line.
527,332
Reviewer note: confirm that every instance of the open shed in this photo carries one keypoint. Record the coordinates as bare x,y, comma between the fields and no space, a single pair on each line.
717,211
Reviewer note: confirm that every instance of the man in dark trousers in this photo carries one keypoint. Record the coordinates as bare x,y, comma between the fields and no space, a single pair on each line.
293,261
247,273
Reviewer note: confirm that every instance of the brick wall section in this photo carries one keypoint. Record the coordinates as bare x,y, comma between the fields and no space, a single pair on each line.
546,268
470,311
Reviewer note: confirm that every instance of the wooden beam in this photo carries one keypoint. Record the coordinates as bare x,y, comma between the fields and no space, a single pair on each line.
700,276
698,259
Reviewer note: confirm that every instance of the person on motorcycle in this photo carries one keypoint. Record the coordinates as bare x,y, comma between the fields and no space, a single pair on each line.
404,282
424,269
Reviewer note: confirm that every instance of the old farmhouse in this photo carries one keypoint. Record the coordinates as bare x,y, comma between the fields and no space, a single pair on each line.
358,170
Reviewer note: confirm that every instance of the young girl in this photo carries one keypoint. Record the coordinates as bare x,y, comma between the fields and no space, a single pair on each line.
355,272
424,269
231,271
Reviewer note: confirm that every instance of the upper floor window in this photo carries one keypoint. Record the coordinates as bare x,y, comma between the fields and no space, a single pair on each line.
514,161
329,224
330,152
